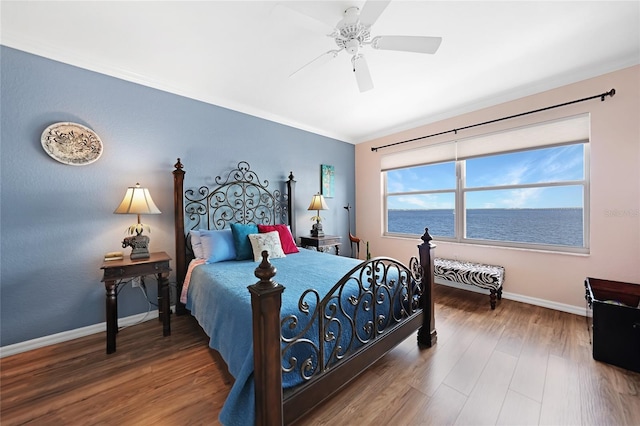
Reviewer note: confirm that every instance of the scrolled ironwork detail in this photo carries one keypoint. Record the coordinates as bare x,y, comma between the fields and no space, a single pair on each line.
238,197
364,305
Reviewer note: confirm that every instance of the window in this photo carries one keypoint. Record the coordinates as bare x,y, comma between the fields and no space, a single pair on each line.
422,195
535,197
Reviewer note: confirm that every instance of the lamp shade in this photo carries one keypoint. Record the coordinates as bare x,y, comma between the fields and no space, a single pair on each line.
137,200
318,203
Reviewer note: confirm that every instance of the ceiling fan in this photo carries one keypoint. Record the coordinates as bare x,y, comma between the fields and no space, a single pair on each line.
353,33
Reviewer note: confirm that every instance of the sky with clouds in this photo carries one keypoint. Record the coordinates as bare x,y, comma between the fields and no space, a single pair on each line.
557,164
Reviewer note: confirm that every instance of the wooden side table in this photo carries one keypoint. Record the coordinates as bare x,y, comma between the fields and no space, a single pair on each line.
117,270
322,243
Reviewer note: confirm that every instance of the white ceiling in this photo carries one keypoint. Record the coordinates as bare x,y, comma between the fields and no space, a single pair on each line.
239,54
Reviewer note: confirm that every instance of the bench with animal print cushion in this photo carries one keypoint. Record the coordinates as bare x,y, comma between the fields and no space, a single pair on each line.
490,277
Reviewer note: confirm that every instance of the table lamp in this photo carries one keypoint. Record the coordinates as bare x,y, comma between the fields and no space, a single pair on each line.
138,201
317,203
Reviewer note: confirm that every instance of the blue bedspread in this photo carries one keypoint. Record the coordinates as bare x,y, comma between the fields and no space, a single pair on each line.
218,298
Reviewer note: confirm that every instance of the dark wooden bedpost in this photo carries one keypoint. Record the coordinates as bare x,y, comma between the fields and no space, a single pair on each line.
178,202
291,204
266,301
427,335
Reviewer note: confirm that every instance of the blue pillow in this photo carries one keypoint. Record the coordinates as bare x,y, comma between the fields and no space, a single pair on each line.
241,241
217,245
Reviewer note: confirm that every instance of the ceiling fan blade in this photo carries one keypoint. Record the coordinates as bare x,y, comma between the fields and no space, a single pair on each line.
372,10
320,60
292,13
418,44
361,70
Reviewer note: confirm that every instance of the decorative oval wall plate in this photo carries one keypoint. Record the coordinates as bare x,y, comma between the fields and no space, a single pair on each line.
71,143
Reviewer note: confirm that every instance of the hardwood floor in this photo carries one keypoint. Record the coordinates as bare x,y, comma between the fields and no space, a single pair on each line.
517,365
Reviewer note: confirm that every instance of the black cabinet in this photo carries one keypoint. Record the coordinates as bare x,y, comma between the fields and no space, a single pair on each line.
615,322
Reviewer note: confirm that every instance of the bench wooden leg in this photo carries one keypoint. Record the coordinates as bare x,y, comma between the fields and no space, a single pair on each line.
500,293
492,298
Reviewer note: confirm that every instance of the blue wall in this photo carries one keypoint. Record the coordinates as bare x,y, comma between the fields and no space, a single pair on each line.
57,221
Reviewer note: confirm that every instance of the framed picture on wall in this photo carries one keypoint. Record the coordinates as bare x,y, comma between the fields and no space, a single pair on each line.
327,172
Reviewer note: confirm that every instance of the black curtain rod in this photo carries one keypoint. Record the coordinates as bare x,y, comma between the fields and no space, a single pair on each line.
601,96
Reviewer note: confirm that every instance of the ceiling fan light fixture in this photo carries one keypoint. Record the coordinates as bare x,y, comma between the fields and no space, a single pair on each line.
352,46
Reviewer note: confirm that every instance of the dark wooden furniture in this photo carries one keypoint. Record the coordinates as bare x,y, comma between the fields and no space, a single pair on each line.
250,202
321,243
615,323
117,271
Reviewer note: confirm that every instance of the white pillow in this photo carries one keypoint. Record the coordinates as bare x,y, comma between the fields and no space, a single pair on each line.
269,241
196,244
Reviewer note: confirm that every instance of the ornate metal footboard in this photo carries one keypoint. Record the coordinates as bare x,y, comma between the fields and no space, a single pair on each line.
334,337
369,301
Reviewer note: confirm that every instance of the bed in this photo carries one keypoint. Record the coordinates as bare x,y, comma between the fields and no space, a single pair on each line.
295,327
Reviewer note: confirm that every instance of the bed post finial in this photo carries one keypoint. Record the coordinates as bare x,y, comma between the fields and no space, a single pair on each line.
427,335
426,237
266,301
265,271
178,165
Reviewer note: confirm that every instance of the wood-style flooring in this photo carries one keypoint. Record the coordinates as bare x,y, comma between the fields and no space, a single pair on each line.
517,365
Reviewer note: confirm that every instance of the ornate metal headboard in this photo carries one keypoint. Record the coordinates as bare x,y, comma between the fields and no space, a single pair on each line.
240,196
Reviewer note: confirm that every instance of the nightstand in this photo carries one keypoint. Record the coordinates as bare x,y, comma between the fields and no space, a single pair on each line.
115,271
322,243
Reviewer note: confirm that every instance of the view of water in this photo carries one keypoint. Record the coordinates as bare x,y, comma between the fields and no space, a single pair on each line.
543,226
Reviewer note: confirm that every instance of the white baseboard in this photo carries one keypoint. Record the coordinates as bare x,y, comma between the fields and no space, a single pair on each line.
577,310
73,334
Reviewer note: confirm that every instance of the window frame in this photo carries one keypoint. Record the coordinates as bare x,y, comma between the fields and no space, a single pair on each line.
460,201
